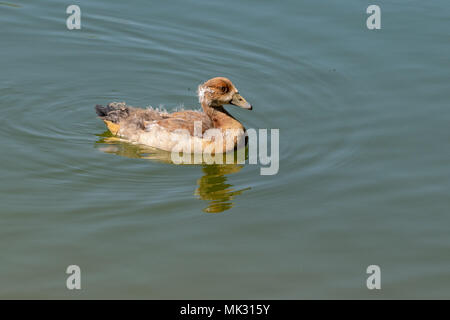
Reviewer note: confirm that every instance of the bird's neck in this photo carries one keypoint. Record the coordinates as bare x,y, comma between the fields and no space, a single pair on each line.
220,117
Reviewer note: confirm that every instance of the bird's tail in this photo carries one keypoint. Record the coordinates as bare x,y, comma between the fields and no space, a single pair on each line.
111,114
102,111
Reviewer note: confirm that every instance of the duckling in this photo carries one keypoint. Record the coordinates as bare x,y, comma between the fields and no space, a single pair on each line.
181,131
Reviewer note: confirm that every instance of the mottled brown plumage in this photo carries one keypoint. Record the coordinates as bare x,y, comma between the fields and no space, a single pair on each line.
157,128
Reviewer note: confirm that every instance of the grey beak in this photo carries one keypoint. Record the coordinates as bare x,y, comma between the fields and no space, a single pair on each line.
239,101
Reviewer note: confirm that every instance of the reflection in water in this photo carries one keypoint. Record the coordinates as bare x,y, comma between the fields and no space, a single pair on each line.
212,186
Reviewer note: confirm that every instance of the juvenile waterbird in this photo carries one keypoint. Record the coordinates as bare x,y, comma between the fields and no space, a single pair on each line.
182,130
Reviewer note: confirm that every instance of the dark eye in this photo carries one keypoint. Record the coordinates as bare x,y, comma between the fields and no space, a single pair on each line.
224,89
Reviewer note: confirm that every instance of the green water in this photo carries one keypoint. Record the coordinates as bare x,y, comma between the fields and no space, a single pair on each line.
364,160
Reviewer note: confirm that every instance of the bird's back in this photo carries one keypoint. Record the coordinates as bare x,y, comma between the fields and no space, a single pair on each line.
137,123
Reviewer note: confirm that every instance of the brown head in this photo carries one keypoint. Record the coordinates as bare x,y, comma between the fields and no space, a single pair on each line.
219,91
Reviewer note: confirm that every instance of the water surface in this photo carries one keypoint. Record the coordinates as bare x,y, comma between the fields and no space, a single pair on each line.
364,160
